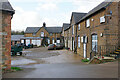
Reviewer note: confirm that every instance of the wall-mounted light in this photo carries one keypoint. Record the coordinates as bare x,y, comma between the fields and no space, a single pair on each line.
101,34
92,19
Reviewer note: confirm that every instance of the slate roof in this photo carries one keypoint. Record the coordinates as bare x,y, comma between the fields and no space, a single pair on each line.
48,29
101,6
32,29
77,16
6,6
54,29
16,37
66,26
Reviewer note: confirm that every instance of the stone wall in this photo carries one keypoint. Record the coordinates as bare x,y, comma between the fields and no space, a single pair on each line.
46,34
109,29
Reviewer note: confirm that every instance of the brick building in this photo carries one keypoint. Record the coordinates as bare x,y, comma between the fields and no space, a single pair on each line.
99,31
41,36
6,14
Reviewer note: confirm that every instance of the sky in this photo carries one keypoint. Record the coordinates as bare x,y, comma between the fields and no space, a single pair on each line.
32,13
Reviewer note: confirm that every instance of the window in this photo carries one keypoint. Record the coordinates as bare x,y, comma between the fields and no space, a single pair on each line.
51,34
78,41
15,42
110,12
42,34
84,39
73,29
34,34
79,27
53,41
48,41
88,23
58,40
102,19
94,42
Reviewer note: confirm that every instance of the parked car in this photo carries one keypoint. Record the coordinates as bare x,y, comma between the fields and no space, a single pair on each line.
60,45
16,49
29,46
21,44
51,47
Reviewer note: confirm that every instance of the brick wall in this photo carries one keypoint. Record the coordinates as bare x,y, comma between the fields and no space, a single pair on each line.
6,40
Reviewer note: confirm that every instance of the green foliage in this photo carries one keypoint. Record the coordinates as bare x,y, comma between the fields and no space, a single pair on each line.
85,60
16,69
17,32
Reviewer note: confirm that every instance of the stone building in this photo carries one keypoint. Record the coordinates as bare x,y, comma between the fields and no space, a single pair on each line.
41,36
6,14
65,33
72,40
98,31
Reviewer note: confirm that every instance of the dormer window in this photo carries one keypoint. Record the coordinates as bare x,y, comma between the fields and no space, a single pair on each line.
88,23
78,26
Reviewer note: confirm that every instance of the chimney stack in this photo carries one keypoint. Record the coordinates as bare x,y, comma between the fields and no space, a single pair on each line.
44,24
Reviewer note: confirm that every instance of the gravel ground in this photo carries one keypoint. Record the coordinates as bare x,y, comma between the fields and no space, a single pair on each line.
33,56
43,56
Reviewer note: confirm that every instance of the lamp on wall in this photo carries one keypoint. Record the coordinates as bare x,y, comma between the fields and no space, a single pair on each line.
101,34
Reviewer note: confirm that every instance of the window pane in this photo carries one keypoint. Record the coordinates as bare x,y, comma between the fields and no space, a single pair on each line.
79,42
94,42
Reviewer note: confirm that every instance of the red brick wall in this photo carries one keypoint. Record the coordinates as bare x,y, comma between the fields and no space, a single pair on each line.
6,40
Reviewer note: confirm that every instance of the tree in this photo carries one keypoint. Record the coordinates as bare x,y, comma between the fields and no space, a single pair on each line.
17,32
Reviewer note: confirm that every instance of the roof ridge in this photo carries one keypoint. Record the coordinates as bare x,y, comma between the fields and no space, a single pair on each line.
102,5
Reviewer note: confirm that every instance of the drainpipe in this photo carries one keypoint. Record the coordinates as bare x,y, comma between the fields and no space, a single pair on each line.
76,40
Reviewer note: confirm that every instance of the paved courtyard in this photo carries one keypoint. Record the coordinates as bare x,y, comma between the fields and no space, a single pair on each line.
41,63
44,56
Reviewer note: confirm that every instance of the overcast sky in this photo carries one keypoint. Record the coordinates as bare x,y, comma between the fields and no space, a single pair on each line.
32,13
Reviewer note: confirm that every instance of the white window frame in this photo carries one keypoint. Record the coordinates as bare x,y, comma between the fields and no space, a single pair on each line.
102,19
78,41
88,23
82,39
78,26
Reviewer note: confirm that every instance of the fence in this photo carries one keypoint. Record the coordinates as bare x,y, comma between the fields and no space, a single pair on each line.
102,50
106,49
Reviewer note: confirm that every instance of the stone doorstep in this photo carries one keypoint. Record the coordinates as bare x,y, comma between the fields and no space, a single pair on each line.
104,57
109,58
